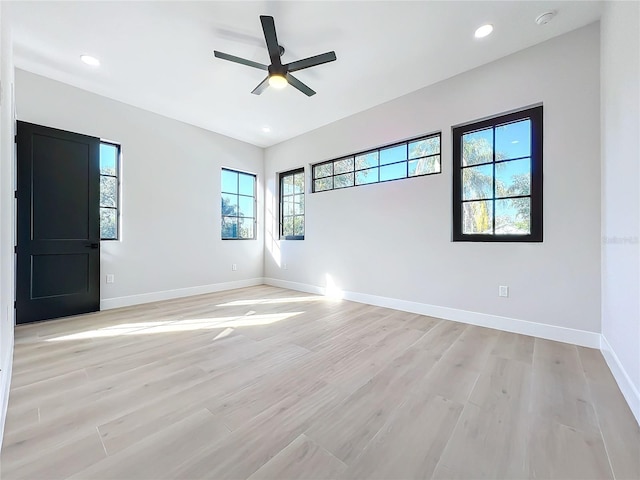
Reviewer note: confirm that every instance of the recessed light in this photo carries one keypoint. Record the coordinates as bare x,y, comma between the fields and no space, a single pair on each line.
89,60
266,129
484,30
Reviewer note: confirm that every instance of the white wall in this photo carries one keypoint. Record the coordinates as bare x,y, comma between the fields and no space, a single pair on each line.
620,195
6,214
394,239
170,242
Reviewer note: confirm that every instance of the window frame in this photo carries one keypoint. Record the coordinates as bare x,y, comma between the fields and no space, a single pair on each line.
379,166
535,115
255,203
118,196
281,177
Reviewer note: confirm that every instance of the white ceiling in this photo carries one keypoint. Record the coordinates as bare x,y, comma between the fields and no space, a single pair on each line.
159,55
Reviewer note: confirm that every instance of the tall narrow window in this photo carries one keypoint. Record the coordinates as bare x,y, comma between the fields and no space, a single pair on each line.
238,205
109,191
292,205
497,179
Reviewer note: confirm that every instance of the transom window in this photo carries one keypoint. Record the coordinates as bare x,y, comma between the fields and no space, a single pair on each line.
292,205
109,191
238,205
413,158
497,181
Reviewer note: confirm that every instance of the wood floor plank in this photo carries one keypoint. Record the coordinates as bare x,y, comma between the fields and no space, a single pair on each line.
347,429
559,390
561,452
60,462
620,432
514,347
251,446
492,434
302,458
160,455
410,442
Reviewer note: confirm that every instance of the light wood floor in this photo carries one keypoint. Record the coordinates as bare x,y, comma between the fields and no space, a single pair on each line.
263,382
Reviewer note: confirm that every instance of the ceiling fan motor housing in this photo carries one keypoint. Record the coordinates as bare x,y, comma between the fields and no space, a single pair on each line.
277,70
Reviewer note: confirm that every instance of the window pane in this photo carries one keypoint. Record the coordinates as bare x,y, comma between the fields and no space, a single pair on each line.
477,147
245,227
287,185
323,184
342,166
367,176
393,172
108,223
367,160
229,227
477,217
344,180
513,178
108,159
287,226
393,154
323,170
424,166
298,183
298,204
108,191
229,181
513,140
477,182
298,225
246,207
513,216
247,184
424,148
287,206
229,204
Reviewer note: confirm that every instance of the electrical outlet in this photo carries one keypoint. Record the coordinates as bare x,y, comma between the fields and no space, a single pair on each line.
234,267
503,291
284,266
111,278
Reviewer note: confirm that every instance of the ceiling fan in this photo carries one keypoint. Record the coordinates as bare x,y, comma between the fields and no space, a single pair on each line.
279,75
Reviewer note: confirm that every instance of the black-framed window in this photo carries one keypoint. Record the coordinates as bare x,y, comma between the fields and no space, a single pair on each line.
497,179
109,191
238,205
292,205
411,158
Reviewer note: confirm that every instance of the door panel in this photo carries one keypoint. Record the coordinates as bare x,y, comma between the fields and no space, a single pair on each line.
58,255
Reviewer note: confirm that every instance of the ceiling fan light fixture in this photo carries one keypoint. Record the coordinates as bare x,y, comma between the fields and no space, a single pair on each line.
277,81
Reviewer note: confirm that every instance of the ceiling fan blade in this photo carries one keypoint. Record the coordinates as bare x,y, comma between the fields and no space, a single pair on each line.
262,86
294,82
243,61
311,61
269,29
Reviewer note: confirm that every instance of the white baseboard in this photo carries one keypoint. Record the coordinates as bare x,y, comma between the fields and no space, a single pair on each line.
628,389
5,384
524,327
117,302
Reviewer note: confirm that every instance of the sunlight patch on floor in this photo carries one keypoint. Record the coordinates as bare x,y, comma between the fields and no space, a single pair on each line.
269,301
184,325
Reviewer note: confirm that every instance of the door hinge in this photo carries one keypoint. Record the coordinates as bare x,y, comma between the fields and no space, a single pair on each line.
15,249
15,139
15,194
15,304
